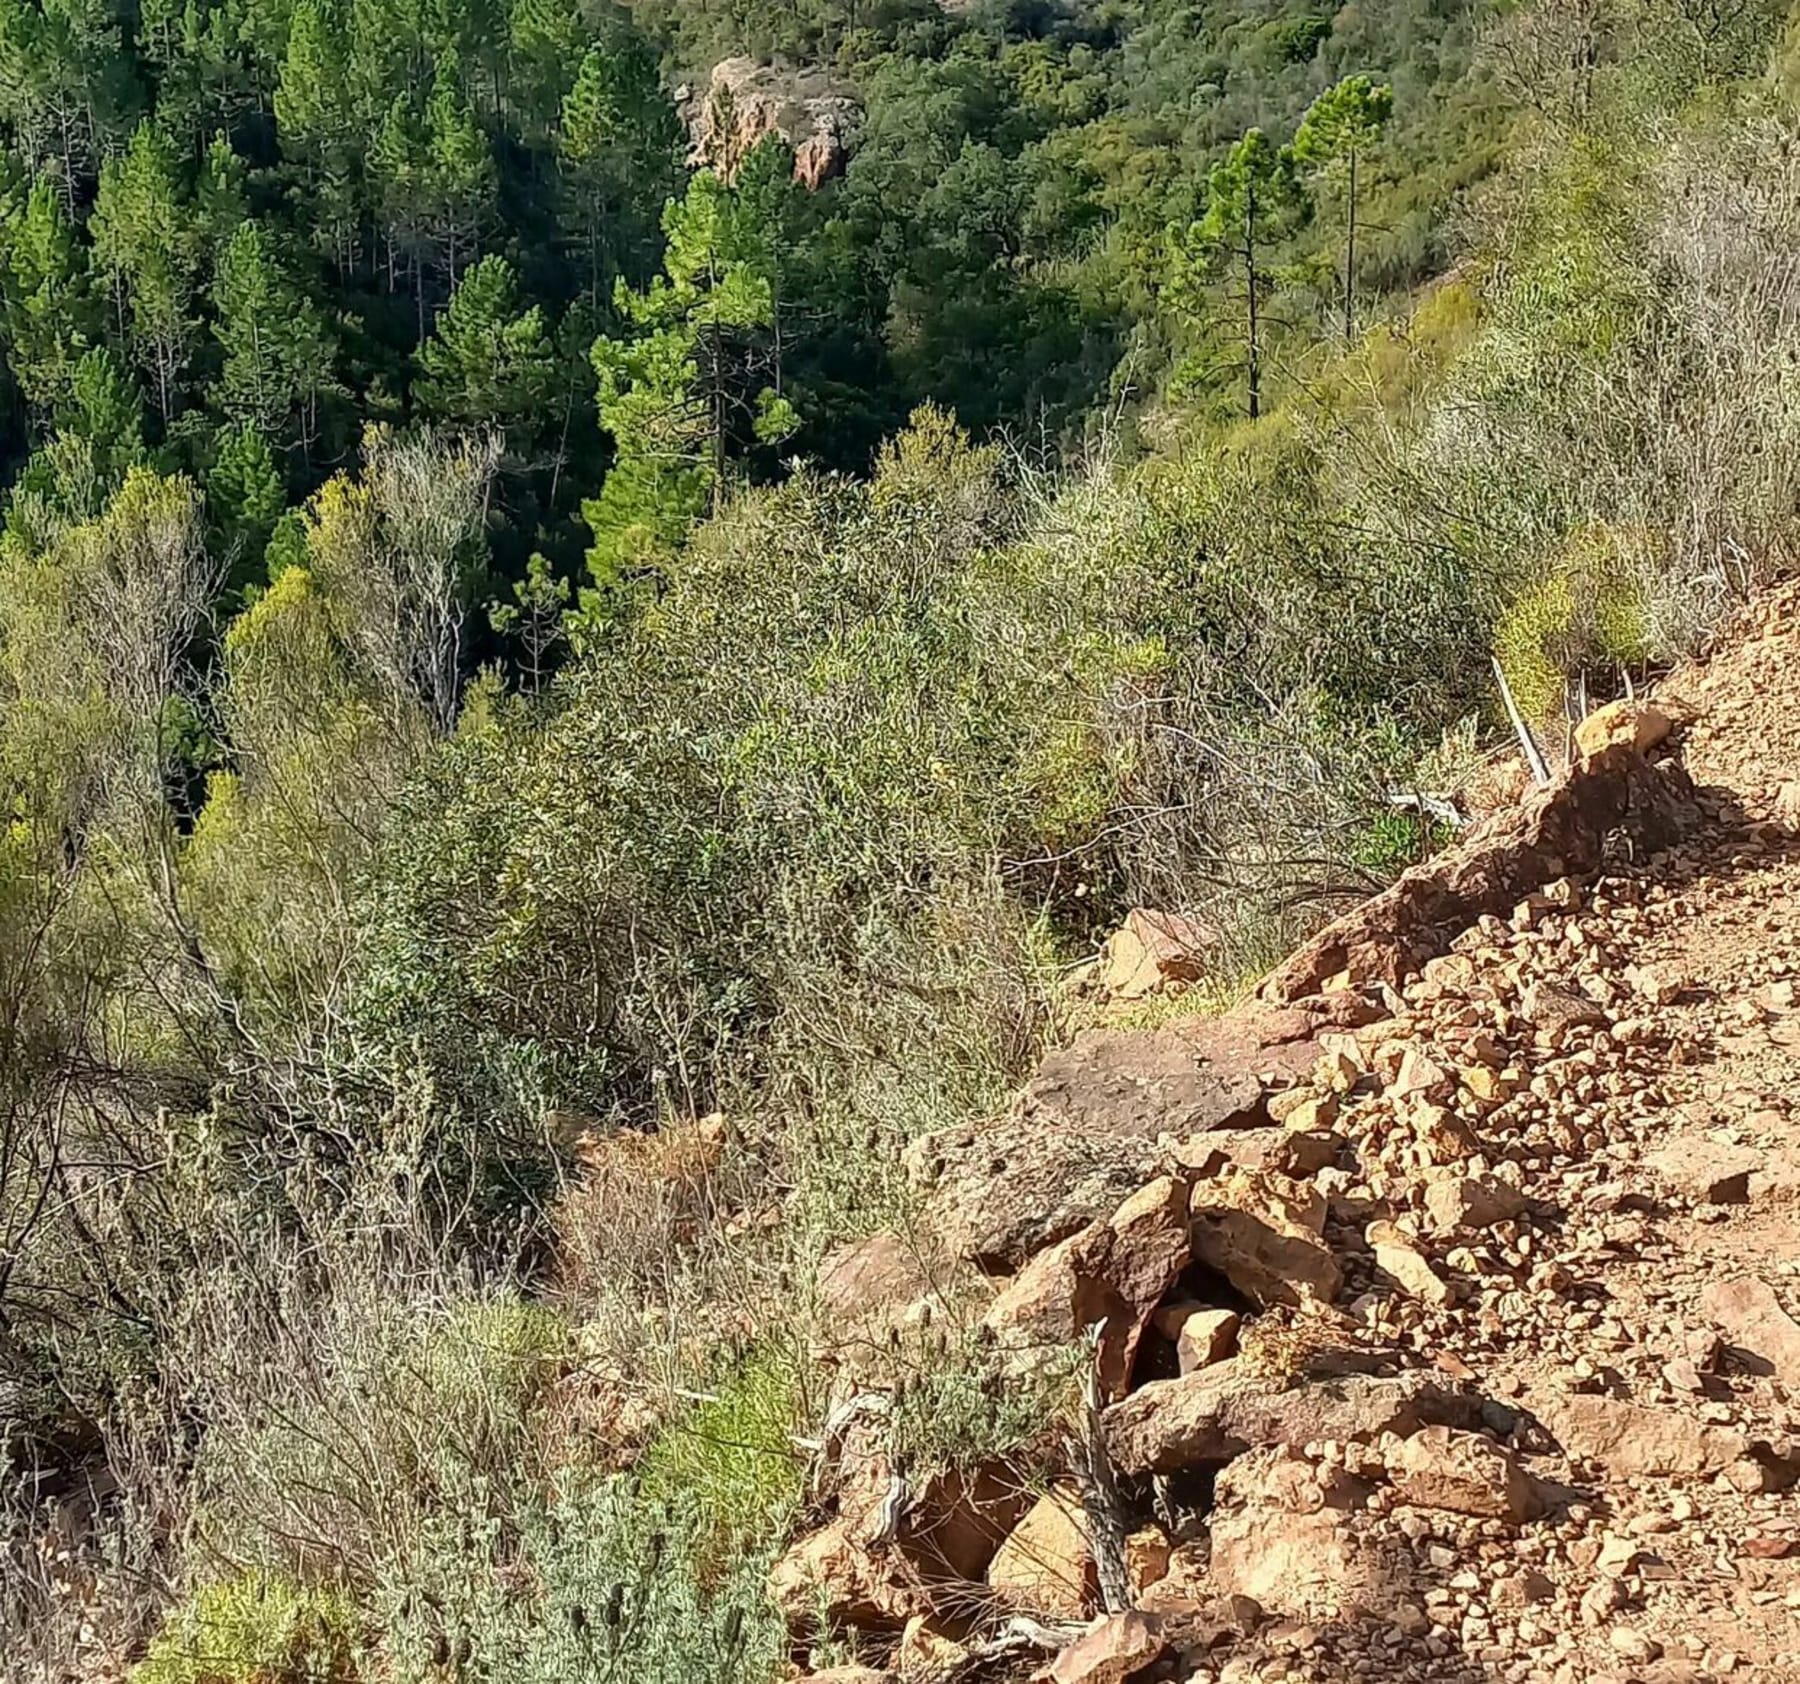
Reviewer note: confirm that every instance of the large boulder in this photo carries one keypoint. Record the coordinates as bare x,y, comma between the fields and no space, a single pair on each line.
998,1194
1113,1272
1466,1473
1752,1318
1633,1440
1223,1410
1263,1233
1116,1647
1185,1078
1153,948
1046,1564
1284,1533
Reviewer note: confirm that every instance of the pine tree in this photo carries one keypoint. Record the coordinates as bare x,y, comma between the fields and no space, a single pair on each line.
146,243
277,354
245,498
616,149
1254,200
1341,125
688,387
105,409
49,312
317,123
488,360
459,180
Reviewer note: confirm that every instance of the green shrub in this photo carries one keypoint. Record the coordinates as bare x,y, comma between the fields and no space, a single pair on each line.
260,1628
734,1457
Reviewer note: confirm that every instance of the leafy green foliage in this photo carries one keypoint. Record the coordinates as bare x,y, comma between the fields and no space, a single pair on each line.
258,1629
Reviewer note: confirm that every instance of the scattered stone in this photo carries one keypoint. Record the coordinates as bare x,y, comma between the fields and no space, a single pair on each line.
1403,1263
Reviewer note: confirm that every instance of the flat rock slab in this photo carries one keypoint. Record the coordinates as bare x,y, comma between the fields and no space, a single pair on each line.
1752,1318
998,1194
1228,1408
1635,1441
1185,1078
1707,1171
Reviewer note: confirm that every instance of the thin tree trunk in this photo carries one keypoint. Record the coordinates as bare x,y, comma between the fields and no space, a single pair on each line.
1350,259
1250,289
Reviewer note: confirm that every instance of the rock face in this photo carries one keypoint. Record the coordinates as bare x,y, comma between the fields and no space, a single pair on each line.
744,102
1562,829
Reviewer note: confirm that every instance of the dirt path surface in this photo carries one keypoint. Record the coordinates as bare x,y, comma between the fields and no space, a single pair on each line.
1450,1305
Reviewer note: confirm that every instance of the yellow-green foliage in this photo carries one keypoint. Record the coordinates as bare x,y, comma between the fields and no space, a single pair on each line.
734,1457
260,1628
491,1358
1585,609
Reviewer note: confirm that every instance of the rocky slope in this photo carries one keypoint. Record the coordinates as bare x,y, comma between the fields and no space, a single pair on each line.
1438,1311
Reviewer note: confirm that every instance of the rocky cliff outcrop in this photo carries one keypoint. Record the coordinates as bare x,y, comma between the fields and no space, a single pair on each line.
744,102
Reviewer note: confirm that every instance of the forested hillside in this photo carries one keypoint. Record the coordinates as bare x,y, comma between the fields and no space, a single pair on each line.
558,707
238,235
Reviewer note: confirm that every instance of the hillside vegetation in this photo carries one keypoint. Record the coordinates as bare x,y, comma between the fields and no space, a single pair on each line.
524,670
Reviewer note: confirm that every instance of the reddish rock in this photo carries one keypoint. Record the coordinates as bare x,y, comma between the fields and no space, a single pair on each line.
1153,948
1632,724
1202,1335
1465,1473
1262,1232
1222,1411
1708,1172
1115,1272
874,1279
1281,1535
1633,1440
997,1196
1553,832
1462,1201
1114,1648
1399,1258
829,1576
1046,1565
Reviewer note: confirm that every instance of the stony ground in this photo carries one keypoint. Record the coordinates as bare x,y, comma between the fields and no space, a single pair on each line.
1452,1330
